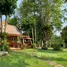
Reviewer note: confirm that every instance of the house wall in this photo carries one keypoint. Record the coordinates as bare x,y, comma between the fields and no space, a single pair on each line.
12,40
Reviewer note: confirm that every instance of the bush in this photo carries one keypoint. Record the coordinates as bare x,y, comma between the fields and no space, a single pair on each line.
33,45
4,46
44,47
57,47
3,43
24,46
38,44
18,41
57,43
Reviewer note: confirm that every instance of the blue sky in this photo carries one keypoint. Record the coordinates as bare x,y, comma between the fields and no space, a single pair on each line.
57,33
18,2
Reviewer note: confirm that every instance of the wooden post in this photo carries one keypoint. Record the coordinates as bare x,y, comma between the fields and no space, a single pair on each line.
23,40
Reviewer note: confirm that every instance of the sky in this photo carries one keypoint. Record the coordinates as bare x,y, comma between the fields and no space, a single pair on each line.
57,33
18,2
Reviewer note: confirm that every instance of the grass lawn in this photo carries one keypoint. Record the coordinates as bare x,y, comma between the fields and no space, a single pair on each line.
60,57
27,58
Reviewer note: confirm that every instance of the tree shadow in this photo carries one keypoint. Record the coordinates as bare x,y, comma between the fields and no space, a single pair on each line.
49,51
51,58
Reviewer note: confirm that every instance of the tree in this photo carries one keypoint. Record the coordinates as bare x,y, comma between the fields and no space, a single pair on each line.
27,11
47,14
64,35
7,8
57,42
50,16
13,21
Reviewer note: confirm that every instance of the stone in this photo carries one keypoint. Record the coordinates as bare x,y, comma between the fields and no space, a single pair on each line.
52,63
3,53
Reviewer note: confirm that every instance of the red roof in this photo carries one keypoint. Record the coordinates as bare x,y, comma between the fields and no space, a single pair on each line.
27,37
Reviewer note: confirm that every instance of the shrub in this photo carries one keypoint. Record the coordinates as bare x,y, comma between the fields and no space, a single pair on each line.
4,35
4,46
24,46
18,41
44,47
56,47
33,45
57,43
38,44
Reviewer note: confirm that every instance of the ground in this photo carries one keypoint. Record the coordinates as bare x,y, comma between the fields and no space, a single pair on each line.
34,58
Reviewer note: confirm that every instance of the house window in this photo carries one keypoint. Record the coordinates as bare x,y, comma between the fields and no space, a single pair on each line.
13,39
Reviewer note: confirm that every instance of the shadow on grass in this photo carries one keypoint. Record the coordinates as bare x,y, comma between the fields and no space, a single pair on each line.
45,58
51,59
49,51
52,52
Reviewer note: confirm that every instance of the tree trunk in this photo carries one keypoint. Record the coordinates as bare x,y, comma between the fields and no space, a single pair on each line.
33,34
44,45
1,28
1,24
5,24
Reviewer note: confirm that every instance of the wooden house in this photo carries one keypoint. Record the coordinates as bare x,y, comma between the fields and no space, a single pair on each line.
12,36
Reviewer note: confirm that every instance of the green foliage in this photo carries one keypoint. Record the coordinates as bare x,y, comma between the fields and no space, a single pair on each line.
4,35
18,40
42,16
46,32
44,47
29,17
24,46
64,35
57,43
33,45
4,45
7,4
13,21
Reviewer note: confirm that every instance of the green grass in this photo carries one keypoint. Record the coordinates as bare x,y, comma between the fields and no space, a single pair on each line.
60,57
21,59
33,58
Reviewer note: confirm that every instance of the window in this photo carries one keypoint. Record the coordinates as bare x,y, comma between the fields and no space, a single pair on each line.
13,39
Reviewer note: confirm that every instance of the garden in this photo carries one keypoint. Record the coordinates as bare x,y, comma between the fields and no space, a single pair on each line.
36,30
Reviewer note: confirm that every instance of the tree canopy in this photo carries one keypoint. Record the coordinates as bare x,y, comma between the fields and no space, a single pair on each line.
46,13
64,35
7,6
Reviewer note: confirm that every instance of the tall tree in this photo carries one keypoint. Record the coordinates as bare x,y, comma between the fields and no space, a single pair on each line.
28,10
47,14
50,16
64,35
13,21
7,8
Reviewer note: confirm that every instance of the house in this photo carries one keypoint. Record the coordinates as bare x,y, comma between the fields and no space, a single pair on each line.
26,40
12,36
